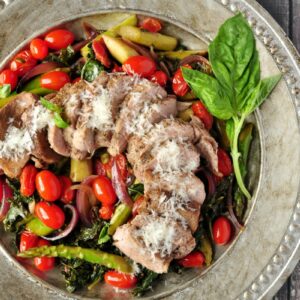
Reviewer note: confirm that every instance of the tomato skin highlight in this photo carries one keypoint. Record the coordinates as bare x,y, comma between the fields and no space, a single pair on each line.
179,85
101,53
27,180
221,230
224,162
151,24
137,204
202,113
59,39
50,214
195,259
28,240
54,80
39,49
106,212
22,63
140,65
9,77
44,263
120,280
160,77
104,190
67,195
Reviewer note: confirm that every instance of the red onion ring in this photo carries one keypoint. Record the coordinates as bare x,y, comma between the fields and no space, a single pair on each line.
69,228
165,68
7,193
119,185
89,30
210,181
194,58
76,47
138,48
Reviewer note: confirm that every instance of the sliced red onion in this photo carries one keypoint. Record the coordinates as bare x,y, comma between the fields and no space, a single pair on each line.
89,30
194,58
138,48
119,185
76,47
69,228
165,68
230,209
211,188
7,193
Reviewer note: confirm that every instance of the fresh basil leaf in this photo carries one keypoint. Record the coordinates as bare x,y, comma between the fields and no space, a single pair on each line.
230,131
51,106
5,91
260,93
104,236
91,70
210,92
59,121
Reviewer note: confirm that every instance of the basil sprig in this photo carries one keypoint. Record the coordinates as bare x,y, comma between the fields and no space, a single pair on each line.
236,90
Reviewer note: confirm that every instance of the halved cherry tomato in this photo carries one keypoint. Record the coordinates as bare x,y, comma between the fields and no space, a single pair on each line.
39,48
137,204
141,65
179,85
28,240
151,24
122,166
160,77
48,185
224,162
50,214
116,68
195,259
9,77
27,180
106,212
44,263
77,79
23,62
67,195
59,39
202,113
101,52
54,80
104,190
221,230
120,280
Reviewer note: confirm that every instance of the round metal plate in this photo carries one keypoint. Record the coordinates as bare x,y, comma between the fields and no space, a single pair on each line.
263,256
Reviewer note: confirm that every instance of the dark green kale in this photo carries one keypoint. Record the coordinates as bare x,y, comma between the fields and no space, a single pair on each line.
145,280
136,190
64,56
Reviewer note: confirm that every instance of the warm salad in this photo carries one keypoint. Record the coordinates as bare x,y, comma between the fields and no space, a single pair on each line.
124,155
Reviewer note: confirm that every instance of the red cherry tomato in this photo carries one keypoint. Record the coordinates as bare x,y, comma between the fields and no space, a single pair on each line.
180,87
27,180
221,231
122,166
28,240
104,190
195,259
59,39
141,65
77,79
48,185
38,48
224,162
106,212
202,113
67,195
101,52
50,214
160,77
44,263
137,204
54,80
120,280
116,68
151,24
9,77
23,62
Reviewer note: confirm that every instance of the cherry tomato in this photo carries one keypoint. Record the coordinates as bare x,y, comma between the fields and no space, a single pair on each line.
122,166
9,77
28,240
202,113
44,263
54,80
151,24
27,180
104,190
50,214
23,62
106,212
120,280
116,68
38,48
101,52
195,259
221,231
77,79
48,185
67,195
141,65
59,39
180,87
137,204
224,162
160,77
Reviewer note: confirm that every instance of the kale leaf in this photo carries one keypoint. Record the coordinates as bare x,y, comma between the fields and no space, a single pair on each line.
64,56
146,278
